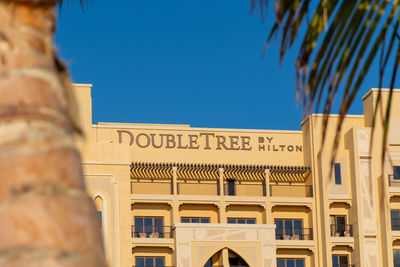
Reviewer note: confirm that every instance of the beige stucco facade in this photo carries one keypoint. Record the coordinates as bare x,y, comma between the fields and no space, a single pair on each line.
265,197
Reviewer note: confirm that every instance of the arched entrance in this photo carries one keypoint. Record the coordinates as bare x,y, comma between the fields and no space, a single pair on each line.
233,258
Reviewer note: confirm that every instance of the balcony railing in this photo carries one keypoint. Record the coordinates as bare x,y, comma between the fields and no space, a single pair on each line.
290,190
148,187
393,182
152,232
247,189
205,188
294,234
341,230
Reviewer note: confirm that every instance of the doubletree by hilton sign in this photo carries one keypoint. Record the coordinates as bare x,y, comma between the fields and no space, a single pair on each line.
205,141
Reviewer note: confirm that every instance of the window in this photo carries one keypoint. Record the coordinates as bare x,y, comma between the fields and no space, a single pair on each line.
396,173
396,257
338,224
290,262
147,226
242,220
288,229
340,260
338,176
100,214
395,218
149,261
231,187
195,220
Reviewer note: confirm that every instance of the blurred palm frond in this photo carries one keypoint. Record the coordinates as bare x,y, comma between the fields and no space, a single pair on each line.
339,41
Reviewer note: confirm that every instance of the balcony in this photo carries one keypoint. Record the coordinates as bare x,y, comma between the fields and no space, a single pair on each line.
198,188
294,234
292,191
151,187
294,238
341,230
245,189
152,232
155,237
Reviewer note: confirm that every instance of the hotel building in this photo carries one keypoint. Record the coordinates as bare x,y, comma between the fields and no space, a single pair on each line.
174,195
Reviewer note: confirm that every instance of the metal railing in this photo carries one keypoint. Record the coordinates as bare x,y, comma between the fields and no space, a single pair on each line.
293,234
393,182
290,190
146,231
341,230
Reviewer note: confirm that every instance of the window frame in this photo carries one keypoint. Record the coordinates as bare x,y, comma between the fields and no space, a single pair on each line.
338,173
231,187
285,260
289,230
339,264
150,257
236,220
395,227
100,217
396,251
199,218
145,229
340,230
396,173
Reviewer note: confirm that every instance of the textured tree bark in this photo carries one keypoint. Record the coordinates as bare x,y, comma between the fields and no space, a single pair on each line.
46,217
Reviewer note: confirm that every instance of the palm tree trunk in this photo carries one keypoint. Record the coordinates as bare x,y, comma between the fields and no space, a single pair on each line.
46,217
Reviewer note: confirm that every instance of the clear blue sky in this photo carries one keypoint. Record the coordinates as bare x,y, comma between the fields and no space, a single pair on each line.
181,62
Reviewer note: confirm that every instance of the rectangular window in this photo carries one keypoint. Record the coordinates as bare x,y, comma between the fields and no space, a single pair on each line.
231,187
289,229
338,175
290,262
396,257
195,220
395,218
149,261
242,220
149,227
396,173
340,260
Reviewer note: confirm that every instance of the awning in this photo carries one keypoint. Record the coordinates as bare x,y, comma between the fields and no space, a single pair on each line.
194,171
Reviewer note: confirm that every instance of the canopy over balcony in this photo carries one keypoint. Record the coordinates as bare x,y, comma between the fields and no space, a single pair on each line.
147,170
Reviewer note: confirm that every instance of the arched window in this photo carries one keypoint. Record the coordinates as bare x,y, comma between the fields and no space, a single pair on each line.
98,202
234,259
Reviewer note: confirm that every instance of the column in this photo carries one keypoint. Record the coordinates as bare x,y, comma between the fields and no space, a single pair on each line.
225,257
268,211
222,205
175,203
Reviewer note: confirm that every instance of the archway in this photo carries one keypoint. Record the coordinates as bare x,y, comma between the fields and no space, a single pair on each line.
234,259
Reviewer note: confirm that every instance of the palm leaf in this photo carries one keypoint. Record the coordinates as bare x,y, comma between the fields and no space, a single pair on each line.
341,41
